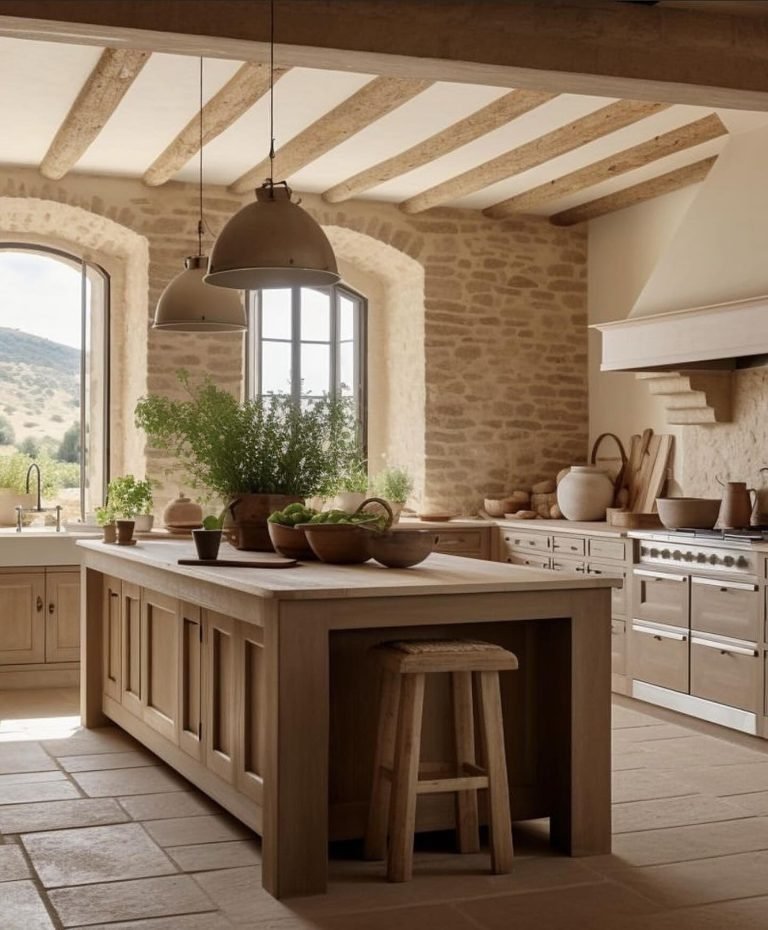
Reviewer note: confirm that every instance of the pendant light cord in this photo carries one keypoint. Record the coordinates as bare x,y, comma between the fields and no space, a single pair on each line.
272,95
200,169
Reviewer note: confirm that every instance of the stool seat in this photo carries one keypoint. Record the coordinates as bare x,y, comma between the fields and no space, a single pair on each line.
397,772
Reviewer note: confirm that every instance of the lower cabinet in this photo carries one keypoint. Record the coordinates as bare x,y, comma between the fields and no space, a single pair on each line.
39,617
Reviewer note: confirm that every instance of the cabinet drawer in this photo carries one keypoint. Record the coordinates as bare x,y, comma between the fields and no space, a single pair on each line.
465,542
568,545
613,549
728,609
618,595
618,647
660,597
560,564
515,557
726,672
660,656
518,539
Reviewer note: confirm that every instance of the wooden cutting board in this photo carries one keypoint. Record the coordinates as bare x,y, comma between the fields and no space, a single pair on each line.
658,475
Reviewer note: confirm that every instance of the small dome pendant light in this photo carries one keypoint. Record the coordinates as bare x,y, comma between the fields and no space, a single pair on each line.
272,242
188,304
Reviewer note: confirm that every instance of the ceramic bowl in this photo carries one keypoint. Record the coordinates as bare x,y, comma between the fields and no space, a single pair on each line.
497,506
338,543
402,548
688,512
290,541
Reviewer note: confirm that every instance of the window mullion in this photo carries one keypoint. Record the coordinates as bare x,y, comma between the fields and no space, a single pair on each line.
334,388
296,344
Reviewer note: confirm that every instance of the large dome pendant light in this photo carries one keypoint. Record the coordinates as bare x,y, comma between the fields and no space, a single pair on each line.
188,304
272,242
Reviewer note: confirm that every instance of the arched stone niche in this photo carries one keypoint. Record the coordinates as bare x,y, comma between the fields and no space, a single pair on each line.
124,255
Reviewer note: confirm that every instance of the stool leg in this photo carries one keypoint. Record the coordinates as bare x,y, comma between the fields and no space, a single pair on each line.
467,822
376,830
406,774
498,785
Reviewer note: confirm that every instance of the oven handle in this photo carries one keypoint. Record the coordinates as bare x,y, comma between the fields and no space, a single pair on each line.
724,648
659,634
660,576
723,585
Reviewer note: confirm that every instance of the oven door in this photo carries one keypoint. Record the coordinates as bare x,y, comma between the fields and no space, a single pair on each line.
660,655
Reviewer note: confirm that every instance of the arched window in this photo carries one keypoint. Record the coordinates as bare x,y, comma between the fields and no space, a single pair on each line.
308,343
54,371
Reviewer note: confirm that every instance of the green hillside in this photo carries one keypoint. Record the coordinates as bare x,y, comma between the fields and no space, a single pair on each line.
24,348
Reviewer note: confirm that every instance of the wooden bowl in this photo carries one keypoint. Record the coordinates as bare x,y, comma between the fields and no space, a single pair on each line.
497,506
688,512
402,548
290,541
338,543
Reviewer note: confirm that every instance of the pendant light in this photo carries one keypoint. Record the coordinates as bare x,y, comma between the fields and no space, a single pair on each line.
188,304
272,242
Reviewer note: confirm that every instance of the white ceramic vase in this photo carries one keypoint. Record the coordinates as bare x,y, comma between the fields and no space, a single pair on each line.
585,493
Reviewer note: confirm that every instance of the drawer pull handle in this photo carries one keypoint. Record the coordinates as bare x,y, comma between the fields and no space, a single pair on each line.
731,586
660,634
656,576
39,603
51,608
723,648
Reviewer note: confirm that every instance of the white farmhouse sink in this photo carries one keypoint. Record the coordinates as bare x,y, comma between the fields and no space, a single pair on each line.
39,546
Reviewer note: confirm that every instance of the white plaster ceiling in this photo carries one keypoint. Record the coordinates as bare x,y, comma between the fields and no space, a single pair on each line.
39,81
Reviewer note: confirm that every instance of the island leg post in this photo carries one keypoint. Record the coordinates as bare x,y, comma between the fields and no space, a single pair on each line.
91,648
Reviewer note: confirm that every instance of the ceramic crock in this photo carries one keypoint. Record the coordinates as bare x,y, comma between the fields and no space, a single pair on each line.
585,493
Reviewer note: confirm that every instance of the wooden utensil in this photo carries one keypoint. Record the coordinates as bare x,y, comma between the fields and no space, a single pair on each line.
641,467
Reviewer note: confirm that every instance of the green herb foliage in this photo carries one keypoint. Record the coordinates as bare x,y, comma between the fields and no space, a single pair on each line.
394,484
53,475
128,496
261,446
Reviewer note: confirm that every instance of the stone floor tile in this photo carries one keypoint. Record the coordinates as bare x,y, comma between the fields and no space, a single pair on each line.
22,908
24,757
102,761
748,914
59,815
186,831
622,717
146,780
31,778
671,812
39,702
168,805
208,921
204,856
129,900
426,917
240,897
95,854
24,793
704,880
681,844
696,750
86,742
13,865
754,803
631,758
588,907
727,780
649,735
646,784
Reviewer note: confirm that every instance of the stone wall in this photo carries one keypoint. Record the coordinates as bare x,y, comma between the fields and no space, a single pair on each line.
496,398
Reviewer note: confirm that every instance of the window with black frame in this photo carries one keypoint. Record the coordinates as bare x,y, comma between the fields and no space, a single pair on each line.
308,343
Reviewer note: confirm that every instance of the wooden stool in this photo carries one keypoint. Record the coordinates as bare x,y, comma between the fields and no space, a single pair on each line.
396,764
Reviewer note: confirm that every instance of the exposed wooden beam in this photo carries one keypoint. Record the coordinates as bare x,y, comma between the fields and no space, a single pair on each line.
564,139
115,71
677,140
620,50
236,97
477,124
374,100
637,193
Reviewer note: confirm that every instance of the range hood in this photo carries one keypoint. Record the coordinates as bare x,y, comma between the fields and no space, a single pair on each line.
705,304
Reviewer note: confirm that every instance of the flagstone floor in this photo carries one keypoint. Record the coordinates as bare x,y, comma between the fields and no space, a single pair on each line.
97,832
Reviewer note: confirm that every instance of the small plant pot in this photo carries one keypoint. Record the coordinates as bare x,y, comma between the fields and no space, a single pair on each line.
110,533
207,543
125,532
144,522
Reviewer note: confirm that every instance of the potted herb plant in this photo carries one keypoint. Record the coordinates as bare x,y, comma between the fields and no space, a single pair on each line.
105,517
394,484
259,455
208,538
128,498
351,486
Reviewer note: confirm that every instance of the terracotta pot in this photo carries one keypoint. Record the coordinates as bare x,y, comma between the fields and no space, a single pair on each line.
402,548
124,532
585,493
339,543
207,543
110,533
246,521
290,541
183,514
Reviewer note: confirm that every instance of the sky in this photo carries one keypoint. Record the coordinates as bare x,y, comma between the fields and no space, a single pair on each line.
40,295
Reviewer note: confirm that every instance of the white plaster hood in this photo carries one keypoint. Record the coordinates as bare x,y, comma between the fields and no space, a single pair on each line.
704,306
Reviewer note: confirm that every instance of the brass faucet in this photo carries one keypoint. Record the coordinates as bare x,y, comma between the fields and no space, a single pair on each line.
39,508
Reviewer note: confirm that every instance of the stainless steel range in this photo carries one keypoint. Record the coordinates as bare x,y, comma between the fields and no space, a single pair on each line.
696,643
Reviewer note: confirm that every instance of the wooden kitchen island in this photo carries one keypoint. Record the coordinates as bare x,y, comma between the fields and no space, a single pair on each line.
259,687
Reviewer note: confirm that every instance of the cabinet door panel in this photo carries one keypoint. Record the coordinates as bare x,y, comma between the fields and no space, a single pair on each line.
22,620
62,621
660,597
159,663
130,617
251,699
111,644
219,669
190,680
660,656
725,608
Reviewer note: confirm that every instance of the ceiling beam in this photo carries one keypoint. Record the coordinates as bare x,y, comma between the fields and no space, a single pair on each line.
374,100
621,50
106,86
235,98
638,193
561,140
490,117
677,140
